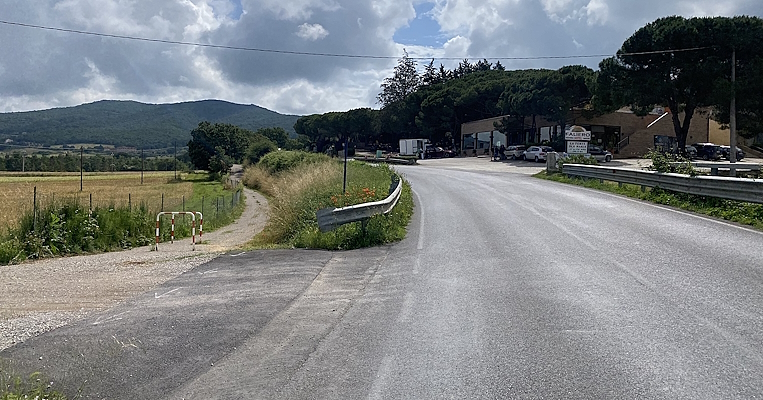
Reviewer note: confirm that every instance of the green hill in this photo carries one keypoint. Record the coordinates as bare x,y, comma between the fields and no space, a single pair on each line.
132,124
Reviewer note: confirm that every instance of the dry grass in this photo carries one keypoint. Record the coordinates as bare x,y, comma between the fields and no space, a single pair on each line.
106,189
288,188
258,178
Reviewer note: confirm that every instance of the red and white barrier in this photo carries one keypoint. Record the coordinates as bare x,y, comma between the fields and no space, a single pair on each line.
172,230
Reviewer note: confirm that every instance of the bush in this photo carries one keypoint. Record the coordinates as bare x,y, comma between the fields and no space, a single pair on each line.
281,161
664,162
576,159
259,148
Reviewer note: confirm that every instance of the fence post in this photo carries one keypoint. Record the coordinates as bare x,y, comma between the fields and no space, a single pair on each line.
34,210
162,208
91,202
129,202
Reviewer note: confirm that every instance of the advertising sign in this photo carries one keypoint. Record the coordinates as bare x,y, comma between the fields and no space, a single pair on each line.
574,147
577,135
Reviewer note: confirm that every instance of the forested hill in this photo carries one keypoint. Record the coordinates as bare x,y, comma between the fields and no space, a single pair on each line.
132,124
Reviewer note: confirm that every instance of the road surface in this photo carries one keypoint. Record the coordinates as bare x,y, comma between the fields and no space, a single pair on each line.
506,286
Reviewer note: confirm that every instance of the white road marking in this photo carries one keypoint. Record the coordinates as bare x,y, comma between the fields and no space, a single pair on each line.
239,254
115,317
207,272
158,296
421,225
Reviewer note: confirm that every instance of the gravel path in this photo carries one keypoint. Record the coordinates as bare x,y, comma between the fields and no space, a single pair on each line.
39,296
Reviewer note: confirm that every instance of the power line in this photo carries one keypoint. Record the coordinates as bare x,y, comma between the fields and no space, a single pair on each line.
336,55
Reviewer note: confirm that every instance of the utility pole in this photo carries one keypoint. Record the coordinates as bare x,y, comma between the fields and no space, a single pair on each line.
142,165
733,111
176,160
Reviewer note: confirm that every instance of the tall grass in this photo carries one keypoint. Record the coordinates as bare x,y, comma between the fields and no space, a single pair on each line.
67,226
298,189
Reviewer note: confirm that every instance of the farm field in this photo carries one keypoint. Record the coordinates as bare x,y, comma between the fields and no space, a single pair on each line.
104,189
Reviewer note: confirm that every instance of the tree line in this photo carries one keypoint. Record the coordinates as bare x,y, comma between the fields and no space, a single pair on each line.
70,162
683,64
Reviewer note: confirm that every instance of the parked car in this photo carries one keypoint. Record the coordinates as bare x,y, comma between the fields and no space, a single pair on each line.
725,153
434,152
708,151
537,153
691,152
516,152
600,154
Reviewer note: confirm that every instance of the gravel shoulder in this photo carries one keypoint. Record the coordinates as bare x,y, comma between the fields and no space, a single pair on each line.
39,296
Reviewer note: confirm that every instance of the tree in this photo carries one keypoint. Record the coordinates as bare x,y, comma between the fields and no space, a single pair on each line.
277,135
685,65
404,82
220,140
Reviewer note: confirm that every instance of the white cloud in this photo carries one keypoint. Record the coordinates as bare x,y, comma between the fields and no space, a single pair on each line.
45,69
597,12
312,32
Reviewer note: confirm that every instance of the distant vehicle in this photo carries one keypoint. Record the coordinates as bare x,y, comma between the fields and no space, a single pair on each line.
708,151
599,153
412,147
725,153
691,152
537,153
516,152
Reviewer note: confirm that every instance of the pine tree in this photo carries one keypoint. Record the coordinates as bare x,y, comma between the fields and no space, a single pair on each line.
404,82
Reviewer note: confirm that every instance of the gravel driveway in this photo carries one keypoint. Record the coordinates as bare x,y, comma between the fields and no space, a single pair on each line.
38,296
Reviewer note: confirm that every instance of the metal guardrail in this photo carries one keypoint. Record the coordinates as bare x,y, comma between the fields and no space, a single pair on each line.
733,168
331,218
740,189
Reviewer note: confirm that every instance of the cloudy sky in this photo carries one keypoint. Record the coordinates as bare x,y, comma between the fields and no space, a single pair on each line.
44,68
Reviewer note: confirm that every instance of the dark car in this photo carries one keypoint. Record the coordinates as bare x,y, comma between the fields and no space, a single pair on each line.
725,153
708,151
438,152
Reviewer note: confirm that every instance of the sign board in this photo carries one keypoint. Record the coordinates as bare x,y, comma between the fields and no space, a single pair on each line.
577,135
574,147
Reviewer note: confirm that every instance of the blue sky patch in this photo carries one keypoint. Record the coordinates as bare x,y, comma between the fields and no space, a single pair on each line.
422,30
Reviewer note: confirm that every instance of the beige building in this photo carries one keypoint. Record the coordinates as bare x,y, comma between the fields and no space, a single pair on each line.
624,133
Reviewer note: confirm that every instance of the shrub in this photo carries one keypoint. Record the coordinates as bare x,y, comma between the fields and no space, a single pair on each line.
259,148
576,159
280,161
665,162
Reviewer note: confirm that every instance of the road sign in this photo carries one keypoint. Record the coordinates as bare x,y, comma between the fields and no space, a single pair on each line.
576,147
577,135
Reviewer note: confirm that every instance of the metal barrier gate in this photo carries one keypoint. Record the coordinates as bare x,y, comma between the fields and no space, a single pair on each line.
172,230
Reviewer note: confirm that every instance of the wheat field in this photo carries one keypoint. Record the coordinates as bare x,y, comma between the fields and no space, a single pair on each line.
104,189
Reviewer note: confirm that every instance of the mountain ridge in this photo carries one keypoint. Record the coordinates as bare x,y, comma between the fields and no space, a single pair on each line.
131,123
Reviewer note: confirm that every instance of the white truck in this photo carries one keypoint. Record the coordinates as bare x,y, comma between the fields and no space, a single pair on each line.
411,147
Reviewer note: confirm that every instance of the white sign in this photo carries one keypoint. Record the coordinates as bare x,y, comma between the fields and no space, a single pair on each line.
577,135
577,147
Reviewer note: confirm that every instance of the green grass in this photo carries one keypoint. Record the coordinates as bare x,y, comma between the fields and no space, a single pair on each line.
298,192
67,227
35,386
750,214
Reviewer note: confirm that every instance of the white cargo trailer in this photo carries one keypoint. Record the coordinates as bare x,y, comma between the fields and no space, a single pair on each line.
411,147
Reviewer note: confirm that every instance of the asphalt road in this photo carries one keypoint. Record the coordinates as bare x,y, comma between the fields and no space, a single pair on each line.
505,287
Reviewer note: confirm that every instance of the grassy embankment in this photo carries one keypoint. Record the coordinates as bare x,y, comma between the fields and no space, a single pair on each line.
113,211
298,184
735,211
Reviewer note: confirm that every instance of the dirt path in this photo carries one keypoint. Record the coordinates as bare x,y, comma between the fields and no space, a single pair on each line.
44,294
